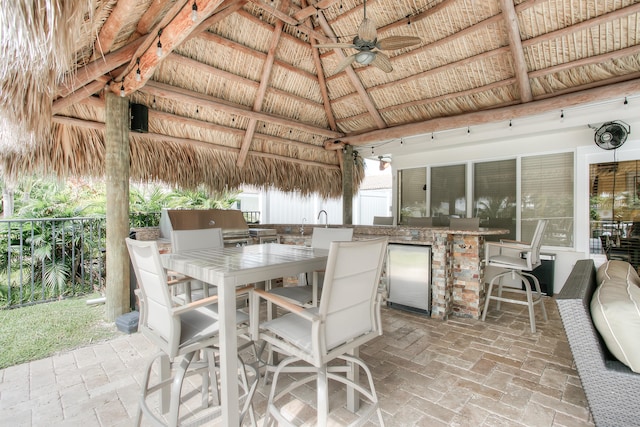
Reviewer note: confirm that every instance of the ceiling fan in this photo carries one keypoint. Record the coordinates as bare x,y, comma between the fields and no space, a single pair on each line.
368,46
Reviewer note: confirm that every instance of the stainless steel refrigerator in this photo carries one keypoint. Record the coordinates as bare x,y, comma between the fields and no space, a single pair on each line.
409,277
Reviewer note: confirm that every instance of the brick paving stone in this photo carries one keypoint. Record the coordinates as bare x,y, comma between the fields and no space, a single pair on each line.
458,372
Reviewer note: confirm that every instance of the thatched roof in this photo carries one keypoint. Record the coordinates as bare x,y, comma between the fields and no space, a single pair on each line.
241,95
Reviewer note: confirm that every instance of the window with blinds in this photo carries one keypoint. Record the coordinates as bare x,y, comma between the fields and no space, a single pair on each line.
448,191
494,194
413,194
547,193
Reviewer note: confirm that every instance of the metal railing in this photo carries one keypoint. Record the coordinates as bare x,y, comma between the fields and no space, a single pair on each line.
45,259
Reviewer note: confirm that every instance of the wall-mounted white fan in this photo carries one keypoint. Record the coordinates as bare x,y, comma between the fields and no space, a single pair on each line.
385,162
612,135
368,46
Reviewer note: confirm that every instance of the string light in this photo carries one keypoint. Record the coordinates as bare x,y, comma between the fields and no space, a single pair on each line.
561,115
468,130
154,102
138,76
194,11
625,104
159,50
510,125
433,136
122,89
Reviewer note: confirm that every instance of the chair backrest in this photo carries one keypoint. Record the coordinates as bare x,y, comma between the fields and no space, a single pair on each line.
188,240
156,320
536,242
322,237
382,220
420,221
349,306
464,224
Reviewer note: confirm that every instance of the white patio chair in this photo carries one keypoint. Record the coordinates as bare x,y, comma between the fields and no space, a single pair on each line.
518,259
189,240
179,331
347,317
307,295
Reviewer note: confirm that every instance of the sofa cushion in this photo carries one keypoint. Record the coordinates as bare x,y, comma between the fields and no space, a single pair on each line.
617,270
615,309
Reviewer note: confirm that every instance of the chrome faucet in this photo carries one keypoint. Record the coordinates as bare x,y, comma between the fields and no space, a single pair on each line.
302,226
326,218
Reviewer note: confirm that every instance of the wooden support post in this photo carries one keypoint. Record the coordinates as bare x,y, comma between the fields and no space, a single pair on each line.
347,186
117,171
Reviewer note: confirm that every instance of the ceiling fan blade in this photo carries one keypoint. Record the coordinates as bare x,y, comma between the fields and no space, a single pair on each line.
398,42
367,30
382,61
345,63
334,45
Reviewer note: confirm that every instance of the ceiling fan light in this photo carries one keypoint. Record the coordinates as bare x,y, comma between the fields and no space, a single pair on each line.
365,57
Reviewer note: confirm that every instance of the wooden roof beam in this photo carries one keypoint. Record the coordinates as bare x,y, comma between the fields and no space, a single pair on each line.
184,95
322,83
310,10
97,68
517,52
170,35
112,26
633,50
310,31
163,116
208,69
536,107
265,79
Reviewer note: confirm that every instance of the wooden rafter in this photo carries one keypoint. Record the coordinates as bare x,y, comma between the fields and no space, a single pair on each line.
175,119
170,35
307,11
112,26
517,52
184,95
88,124
265,79
592,95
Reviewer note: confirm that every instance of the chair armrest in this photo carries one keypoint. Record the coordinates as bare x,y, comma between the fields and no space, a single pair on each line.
204,302
184,279
281,302
254,321
176,311
514,246
514,242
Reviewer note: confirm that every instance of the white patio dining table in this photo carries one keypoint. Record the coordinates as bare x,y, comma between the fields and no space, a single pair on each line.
229,268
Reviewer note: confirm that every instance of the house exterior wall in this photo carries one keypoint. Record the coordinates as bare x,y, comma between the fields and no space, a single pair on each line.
506,144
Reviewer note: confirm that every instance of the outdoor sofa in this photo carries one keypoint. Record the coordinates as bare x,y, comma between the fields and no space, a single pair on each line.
612,388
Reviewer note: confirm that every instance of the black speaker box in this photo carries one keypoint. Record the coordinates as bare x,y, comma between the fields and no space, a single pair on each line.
139,118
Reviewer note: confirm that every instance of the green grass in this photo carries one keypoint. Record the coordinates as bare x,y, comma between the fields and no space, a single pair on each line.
38,331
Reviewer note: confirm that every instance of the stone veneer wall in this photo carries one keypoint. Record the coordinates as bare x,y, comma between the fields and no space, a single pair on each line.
457,269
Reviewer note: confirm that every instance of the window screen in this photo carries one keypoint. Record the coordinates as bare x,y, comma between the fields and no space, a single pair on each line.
547,193
494,195
448,190
413,195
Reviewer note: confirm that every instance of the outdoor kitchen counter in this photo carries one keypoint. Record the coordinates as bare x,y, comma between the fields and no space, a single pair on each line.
457,271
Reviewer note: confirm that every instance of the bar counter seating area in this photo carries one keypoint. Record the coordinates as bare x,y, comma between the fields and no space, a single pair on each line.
441,366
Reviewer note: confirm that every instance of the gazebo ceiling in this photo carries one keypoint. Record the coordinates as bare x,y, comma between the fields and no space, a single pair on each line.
240,92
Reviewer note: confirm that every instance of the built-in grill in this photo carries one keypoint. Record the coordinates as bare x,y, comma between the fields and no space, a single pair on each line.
235,230
264,235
